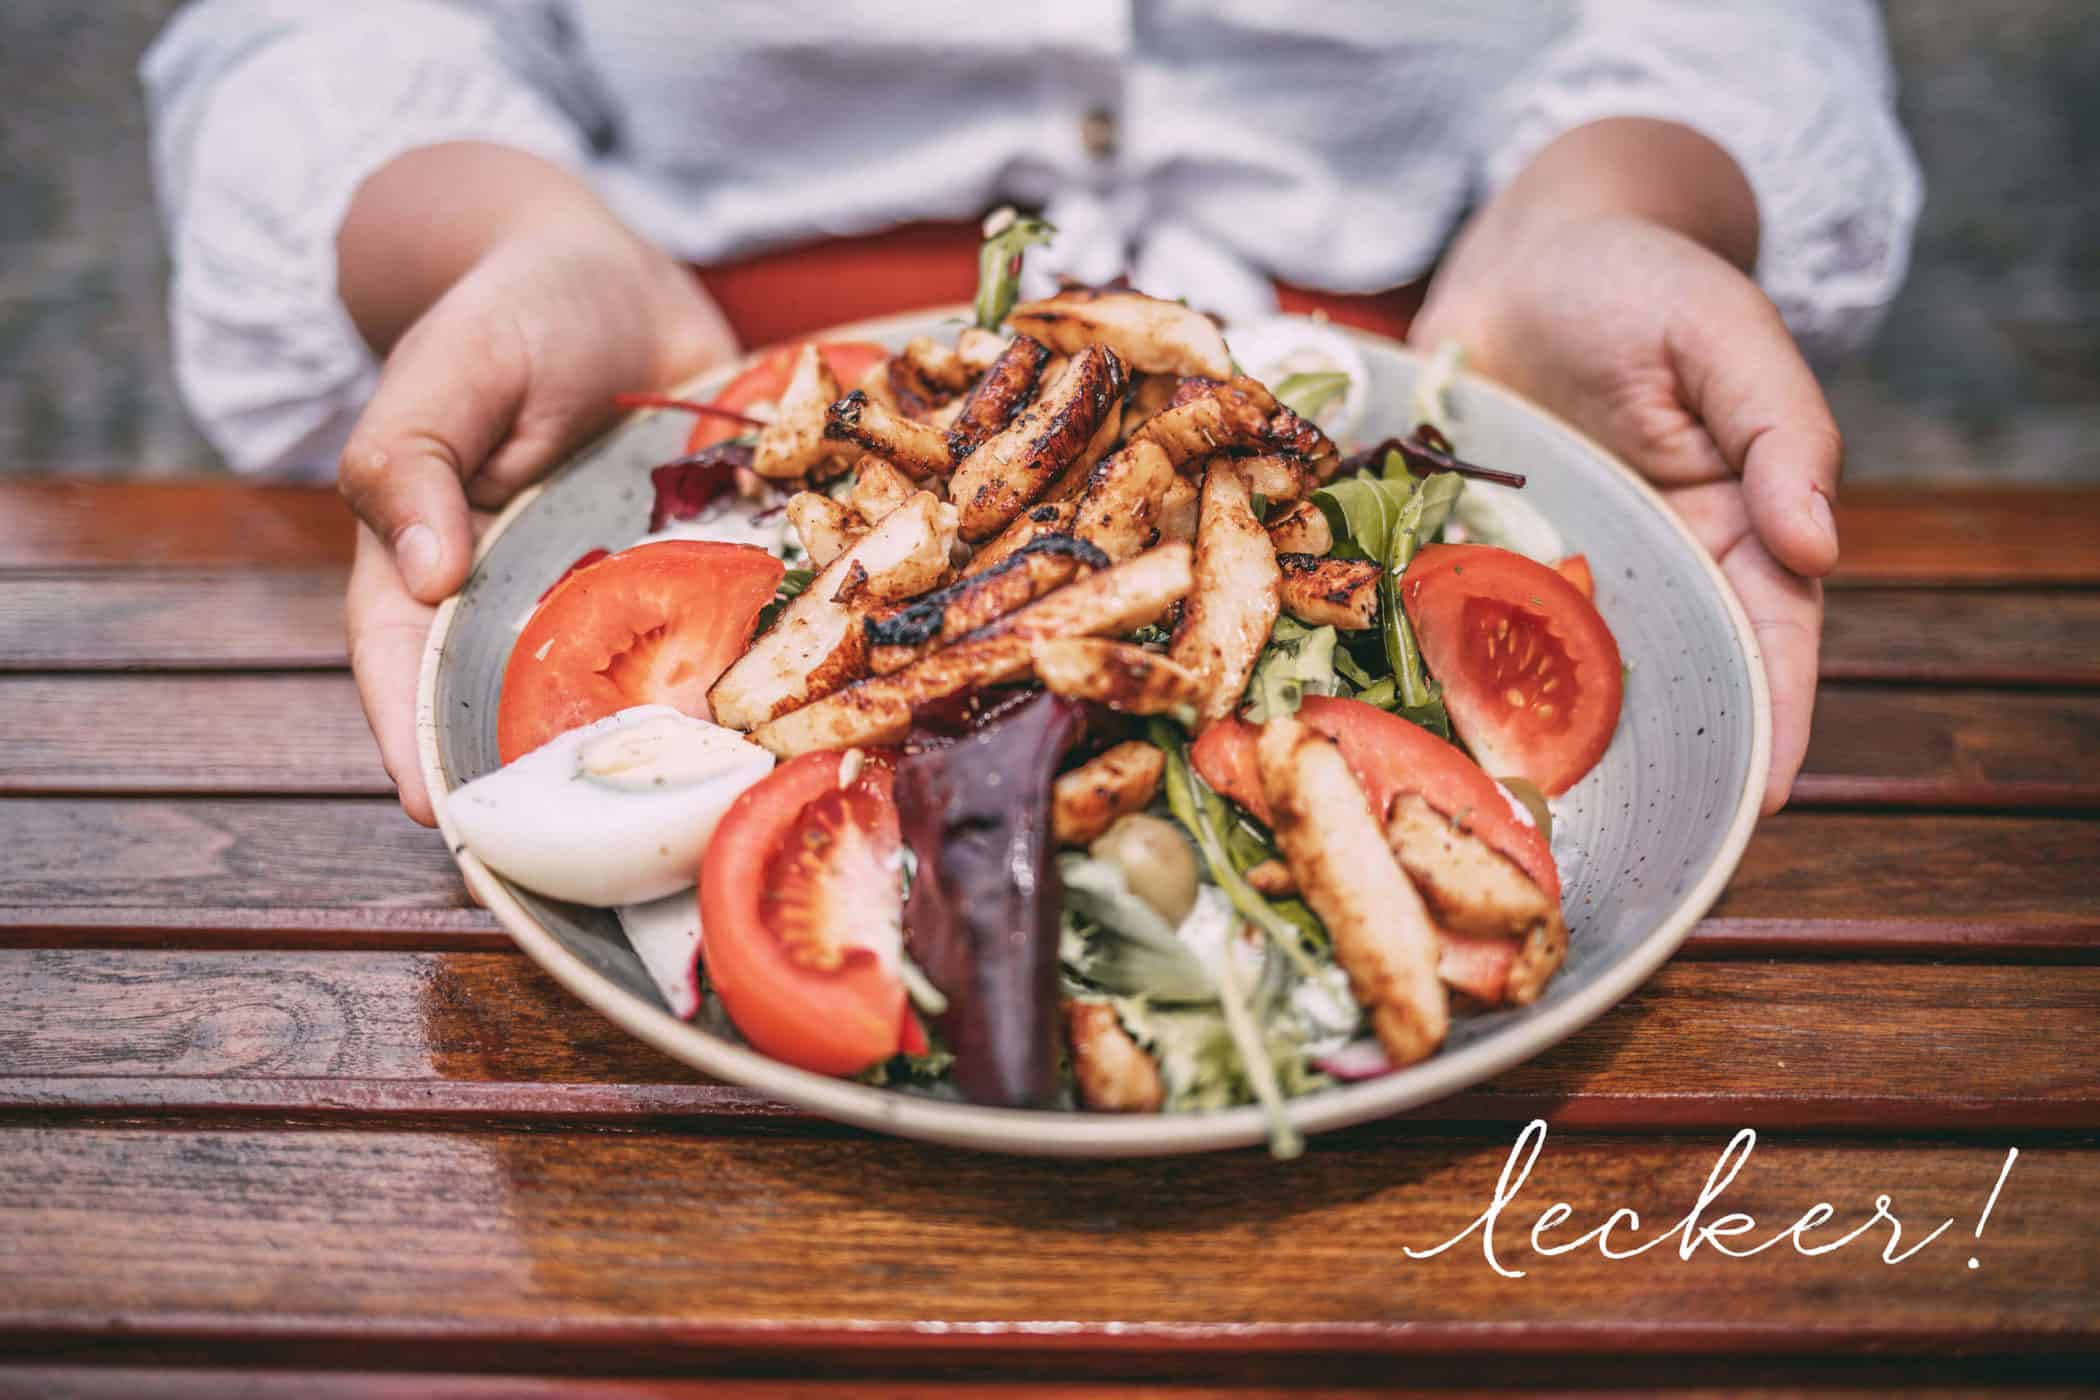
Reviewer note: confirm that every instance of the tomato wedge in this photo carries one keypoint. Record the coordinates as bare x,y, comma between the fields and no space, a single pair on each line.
768,378
1576,570
651,625
1530,672
1390,757
801,912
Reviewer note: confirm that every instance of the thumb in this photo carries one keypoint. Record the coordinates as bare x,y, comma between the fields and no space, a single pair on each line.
1745,379
446,398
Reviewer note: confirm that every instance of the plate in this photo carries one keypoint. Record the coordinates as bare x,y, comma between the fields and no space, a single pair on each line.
1646,841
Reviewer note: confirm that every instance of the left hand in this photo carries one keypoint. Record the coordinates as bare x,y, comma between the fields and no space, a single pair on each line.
1668,355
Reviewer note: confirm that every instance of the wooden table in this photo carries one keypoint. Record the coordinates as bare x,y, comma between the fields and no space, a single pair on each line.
275,1097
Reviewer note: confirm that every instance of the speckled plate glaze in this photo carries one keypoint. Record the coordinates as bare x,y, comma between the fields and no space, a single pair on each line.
1647,840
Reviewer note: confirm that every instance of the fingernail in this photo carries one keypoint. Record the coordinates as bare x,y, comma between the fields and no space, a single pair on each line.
1819,512
417,554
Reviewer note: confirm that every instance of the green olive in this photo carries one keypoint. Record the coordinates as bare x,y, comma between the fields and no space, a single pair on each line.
1155,860
1533,801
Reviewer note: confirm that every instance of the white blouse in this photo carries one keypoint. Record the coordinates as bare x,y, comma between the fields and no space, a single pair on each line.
1327,143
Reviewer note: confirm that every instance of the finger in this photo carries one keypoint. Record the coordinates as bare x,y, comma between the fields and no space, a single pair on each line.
1745,379
1786,613
447,397
388,632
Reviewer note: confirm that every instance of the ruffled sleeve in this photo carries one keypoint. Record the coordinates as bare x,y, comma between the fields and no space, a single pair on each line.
266,118
1799,92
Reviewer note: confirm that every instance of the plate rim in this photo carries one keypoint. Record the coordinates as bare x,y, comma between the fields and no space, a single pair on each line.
1058,1133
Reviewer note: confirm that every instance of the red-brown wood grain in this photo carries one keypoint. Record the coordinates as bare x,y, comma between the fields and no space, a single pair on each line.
488,1036
136,524
1902,532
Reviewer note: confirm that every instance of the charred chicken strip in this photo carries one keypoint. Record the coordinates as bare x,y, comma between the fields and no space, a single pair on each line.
918,449
879,709
1233,603
826,528
1004,390
1072,480
1148,394
818,644
1048,518
1114,1072
1300,528
1113,783
1116,674
1216,418
1301,438
902,633
794,443
1329,592
1277,476
1383,937
1119,508
878,489
1149,335
1010,469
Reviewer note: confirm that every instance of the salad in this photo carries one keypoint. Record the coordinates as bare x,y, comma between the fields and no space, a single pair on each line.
1061,717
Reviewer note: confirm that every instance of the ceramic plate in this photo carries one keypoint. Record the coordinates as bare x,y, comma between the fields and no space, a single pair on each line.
1646,841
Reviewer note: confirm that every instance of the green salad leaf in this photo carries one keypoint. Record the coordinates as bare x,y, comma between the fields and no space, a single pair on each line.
1298,661
1306,394
1007,236
1129,949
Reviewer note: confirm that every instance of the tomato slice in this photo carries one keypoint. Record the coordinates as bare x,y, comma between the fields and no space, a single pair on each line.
767,380
1576,570
801,916
1530,672
651,625
1390,757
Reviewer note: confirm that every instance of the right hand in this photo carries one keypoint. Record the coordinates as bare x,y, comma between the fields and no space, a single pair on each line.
516,363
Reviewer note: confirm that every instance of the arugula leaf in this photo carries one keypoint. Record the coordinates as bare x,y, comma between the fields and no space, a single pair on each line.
1306,394
1360,510
1298,661
1006,236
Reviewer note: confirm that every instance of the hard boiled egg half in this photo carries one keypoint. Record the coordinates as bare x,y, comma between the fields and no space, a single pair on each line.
616,812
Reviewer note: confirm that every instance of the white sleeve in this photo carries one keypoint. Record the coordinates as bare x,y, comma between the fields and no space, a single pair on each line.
1799,92
267,115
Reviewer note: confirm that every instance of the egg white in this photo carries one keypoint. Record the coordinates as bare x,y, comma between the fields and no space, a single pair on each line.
617,812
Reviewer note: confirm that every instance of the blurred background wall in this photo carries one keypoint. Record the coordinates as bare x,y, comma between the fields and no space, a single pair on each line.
1988,366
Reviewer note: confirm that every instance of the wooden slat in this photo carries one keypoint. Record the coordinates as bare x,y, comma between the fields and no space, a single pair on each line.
354,872
1912,534
304,733
1874,745
1962,636
297,732
1856,1047
195,619
132,524
562,1246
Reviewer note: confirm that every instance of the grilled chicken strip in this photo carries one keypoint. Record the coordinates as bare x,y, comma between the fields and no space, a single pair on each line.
1149,335
1008,383
1319,591
1113,783
1119,508
1233,604
1214,417
1116,674
1383,937
878,489
826,528
1010,469
1300,528
1278,476
875,383
1303,439
1178,507
938,368
1469,886
1114,1072
918,449
900,634
1072,480
1048,518
878,710
1147,395
818,644
794,443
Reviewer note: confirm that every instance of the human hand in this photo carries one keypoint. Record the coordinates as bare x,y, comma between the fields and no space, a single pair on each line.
515,363
1668,355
